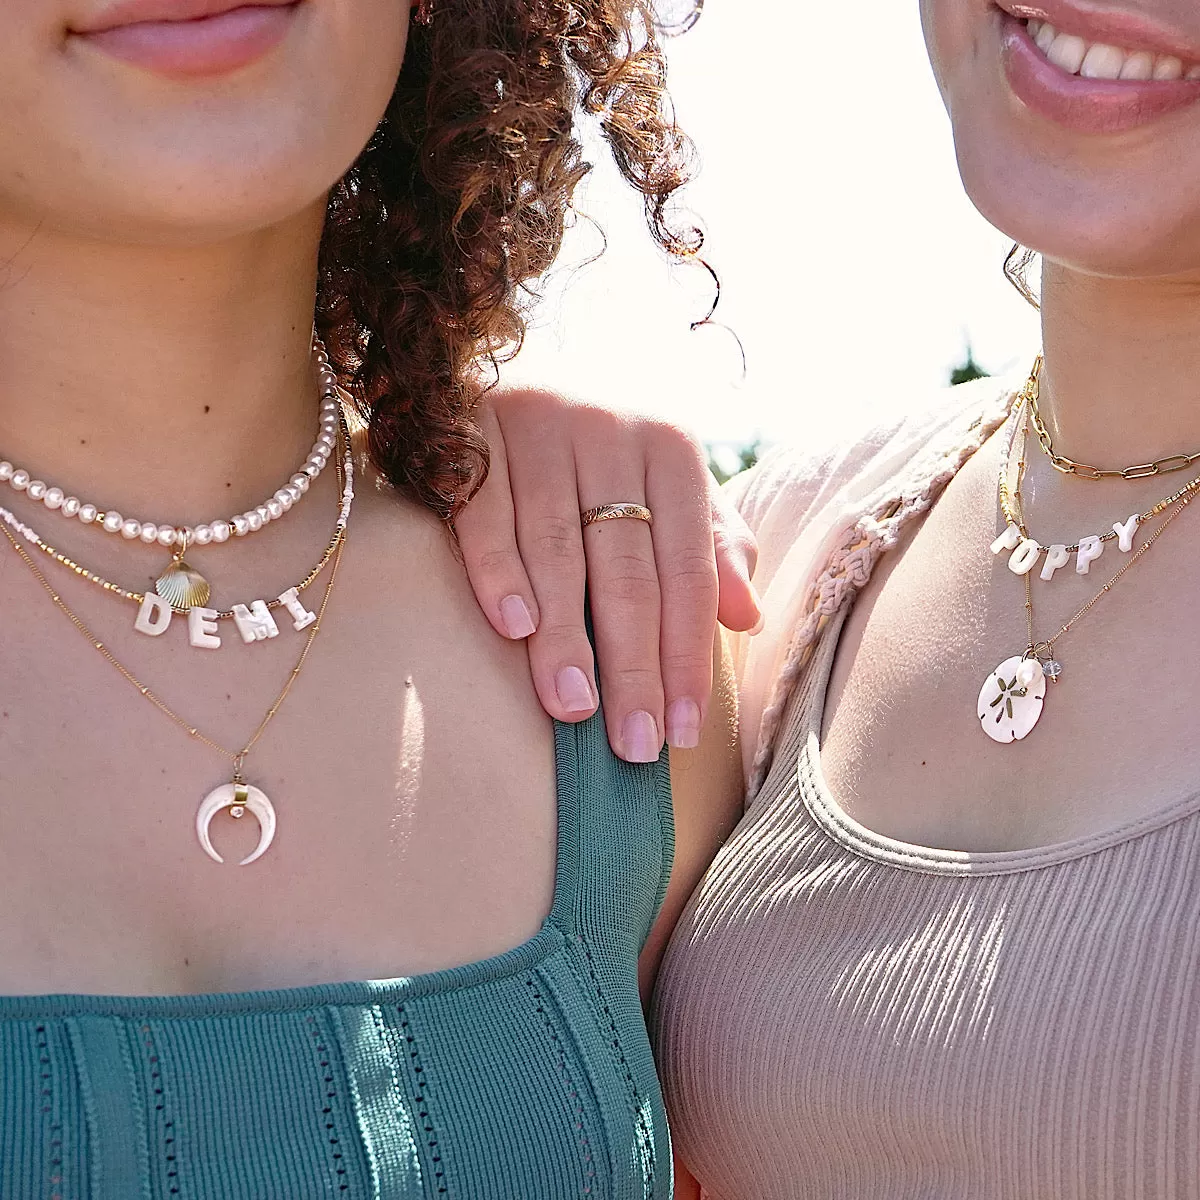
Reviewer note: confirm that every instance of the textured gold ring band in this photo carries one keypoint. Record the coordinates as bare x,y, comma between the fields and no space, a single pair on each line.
613,512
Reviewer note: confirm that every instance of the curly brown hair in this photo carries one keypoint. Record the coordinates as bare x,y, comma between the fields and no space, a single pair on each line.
460,200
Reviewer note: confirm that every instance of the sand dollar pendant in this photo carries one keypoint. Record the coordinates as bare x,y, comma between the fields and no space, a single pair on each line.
1011,699
237,799
181,585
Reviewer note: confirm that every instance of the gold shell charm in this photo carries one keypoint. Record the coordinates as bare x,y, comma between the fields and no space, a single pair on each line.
181,585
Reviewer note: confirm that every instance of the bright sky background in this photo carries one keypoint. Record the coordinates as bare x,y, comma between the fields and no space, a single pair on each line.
853,266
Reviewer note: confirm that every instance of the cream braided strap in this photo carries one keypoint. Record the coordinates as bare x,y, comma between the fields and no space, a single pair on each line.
847,571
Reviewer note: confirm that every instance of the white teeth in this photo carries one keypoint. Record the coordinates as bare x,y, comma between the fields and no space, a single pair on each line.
1045,37
1096,60
1067,53
1168,68
1139,66
1103,62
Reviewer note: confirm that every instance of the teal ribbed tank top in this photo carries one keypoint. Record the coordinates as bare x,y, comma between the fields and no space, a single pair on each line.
527,1076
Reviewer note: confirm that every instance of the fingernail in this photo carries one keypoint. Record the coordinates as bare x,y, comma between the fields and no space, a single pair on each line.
574,691
683,725
758,625
518,622
639,738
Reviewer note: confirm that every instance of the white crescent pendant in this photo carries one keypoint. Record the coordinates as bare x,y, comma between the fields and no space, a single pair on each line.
1010,701
236,799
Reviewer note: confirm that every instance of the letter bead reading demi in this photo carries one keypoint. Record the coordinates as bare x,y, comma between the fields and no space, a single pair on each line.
202,628
301,617
154,616
255,623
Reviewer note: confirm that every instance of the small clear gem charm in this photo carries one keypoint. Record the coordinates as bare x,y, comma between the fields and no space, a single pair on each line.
237,811
1052,668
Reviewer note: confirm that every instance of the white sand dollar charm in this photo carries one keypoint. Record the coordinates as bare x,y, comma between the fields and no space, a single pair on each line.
1010,701
237,799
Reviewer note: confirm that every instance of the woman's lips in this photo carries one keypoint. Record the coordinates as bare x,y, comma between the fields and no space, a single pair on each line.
1085,105
210,45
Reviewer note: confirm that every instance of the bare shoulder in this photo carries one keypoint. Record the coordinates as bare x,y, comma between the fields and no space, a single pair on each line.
707,793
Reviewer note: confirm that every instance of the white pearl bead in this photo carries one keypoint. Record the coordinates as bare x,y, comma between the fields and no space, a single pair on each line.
301,481
131,529
113,521
87,513
36,489
149,533
285,498
254,521
203,535
221,531
327,440
318,461
311,469
19,479
6,471
264,512
327,379
53,497
71,506
295,491
274,508
166,536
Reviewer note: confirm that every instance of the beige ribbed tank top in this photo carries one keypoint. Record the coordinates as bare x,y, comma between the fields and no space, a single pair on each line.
845,1016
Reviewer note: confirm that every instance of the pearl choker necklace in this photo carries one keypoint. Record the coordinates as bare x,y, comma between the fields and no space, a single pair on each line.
166,534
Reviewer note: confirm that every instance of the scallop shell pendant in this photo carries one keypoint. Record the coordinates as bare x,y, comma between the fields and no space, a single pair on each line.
1011,699
182,586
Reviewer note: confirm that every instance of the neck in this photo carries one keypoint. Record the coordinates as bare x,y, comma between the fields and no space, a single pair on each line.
175,382
1121,384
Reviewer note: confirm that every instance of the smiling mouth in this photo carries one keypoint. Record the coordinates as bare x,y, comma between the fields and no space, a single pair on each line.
1095,60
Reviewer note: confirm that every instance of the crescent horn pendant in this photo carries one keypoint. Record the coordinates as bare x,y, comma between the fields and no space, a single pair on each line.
236,799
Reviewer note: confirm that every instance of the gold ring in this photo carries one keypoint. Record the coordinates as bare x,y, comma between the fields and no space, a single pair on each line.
612,512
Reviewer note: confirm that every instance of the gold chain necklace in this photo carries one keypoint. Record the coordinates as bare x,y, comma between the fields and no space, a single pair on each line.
236,797
1026,550
1012,698
1068,466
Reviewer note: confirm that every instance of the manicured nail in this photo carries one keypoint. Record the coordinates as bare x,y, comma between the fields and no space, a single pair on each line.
639,738
518,623
683,725
574,691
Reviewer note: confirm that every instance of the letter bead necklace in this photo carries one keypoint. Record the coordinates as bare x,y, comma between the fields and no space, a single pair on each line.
1012,698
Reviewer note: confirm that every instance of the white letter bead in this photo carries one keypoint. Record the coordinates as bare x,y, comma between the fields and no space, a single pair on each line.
1024,557
1125,533
1008,540
154,616
1090,549
301,617
255,623
202,628
1056,557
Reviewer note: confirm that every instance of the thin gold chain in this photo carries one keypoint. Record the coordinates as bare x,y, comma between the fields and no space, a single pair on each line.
237,756
158,702
1087,608
1013,513
1068,466
224,614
